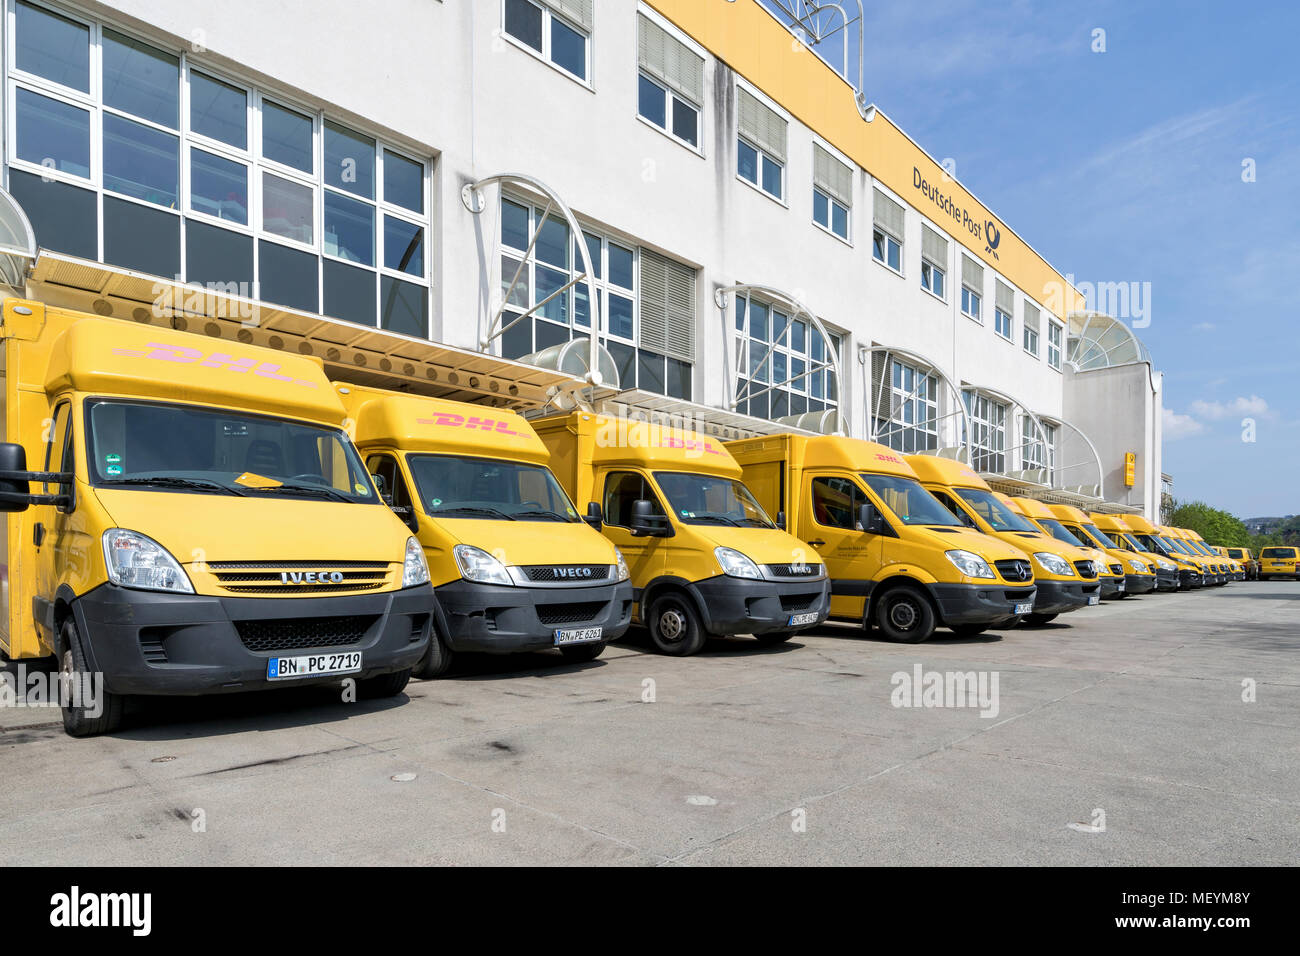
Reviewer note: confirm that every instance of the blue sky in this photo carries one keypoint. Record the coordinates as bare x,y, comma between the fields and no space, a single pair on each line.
1126,165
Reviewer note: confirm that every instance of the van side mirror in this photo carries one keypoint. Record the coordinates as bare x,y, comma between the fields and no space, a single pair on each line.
15,481
871,520
385,495
646,522
780,520
595,516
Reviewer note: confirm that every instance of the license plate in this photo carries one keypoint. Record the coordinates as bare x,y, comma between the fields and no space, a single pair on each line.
1122,585
808,617
1025,607
1094,598
314,665
578,635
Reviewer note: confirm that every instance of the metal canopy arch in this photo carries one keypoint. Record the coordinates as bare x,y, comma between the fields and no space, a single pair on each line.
797,310
961,451
17,242
1029,413
813,22
1059,470
598,365
1098,340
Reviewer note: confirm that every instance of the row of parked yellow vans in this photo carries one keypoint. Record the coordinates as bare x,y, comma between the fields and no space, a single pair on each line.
213,517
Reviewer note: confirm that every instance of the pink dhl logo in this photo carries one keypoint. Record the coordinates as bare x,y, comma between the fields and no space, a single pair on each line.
691,444
473,421
894,458
218,360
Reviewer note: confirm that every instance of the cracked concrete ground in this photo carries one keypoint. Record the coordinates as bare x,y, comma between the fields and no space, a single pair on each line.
747,755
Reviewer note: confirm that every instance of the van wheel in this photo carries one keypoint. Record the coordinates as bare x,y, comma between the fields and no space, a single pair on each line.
580,653
436,660
774,637
969,630
904,615
73,674
384,685
1038,620
674,626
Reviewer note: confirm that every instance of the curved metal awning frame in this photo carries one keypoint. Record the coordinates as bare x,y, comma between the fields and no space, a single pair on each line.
18,249
1059,470
732,367
1086,350
923,363
471,194
1015,403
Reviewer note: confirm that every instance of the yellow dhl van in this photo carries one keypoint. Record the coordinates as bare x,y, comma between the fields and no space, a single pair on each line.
1211,576
1279,561
1190,573
1064,575
897,558
1238,566
1119,534
1112,580
201,522
514,566
1234,569
1139,573
704,556
1246,558
1223,569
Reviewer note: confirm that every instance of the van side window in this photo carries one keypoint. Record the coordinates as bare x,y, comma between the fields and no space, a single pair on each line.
60,438
958,511
835,502
622,489
385,466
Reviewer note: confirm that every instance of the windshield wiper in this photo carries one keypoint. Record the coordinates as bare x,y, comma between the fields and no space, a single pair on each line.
758,521
173,481
307,490
722,518
542,514
467,509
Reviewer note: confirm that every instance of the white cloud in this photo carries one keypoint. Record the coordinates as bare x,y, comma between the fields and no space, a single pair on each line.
1239,406
1178,426
1204,326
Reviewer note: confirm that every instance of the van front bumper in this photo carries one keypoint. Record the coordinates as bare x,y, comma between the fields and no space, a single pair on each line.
1061,597
503,619
731,605
1167,580
1189,579
157,643
1139,583
979,603
1111,587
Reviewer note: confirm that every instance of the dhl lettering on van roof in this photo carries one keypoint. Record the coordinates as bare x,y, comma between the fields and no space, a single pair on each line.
450,420
183,355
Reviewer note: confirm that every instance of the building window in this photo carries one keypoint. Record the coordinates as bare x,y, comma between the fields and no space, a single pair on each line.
647,357
988,439
887,231
1037,451
670,85
972,289
934,262
832,192
167,168
547,32
1003,306
760,145
786,367
1032,319
1054,345
907,412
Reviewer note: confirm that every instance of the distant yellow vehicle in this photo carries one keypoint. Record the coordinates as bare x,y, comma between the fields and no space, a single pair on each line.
1279,561
1190,572
1230,569
1113,584
897,558
1064,574
704,556
1247,559
1121,535
1139,573
201,522
1213,574
514,566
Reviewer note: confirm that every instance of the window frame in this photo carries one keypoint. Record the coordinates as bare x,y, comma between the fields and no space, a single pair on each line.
545,54
889,236
998,316
802,389
927,261
763,156
1058,346
669,97
984,428
831,205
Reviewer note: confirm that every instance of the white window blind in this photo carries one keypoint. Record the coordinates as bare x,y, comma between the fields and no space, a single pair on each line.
761,126
934,247
888,214
1031,316
1004,298
579,11
667,306
670,61
831,176
972,274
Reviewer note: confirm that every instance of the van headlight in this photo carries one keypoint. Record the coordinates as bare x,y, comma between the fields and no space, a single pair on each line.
1137,566
623,572
736,564
415,570
477,565
970,564
1054,564
136,561
1164,565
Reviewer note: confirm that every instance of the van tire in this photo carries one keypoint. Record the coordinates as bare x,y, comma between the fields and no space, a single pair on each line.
436,660
383,685
1038,620
774,637
904,615
675,626
581,653
72,660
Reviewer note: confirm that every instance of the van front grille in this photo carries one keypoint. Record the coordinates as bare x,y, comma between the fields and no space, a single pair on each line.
798,602
794,570
578,613
302,633
565,573
290,577
1014,569
1086,569
1117,569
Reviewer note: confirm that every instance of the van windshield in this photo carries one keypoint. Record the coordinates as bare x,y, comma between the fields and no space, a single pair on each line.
909,501
456,486
998,515
1061,533
195,450
709,499
1102,540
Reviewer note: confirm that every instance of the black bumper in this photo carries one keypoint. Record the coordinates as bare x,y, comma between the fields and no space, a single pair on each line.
1139,583
1060,597
500,619
1110,587
1167,580
149,642
979,603
1189,579
730,605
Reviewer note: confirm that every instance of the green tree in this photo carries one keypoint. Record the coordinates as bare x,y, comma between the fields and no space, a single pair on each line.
1216,526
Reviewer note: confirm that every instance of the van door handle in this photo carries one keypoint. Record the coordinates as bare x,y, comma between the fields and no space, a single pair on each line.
817,542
